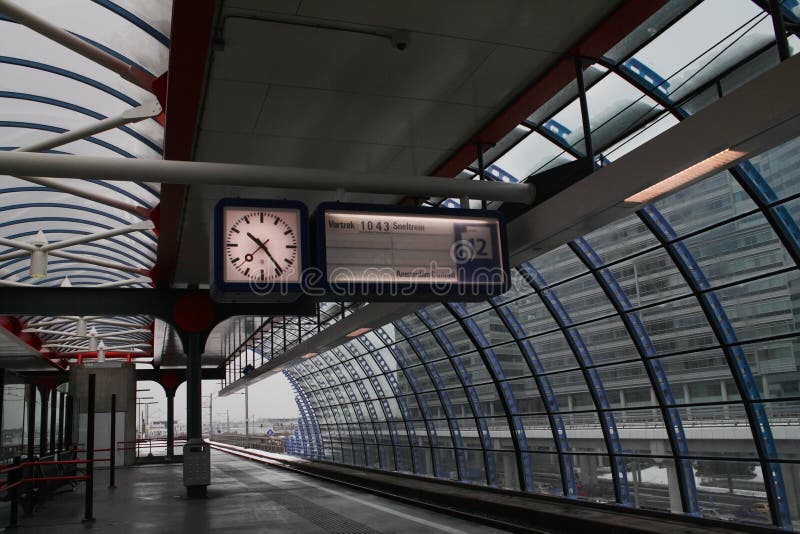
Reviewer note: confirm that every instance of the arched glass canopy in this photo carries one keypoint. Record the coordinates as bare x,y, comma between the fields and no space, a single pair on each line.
46,90
652,363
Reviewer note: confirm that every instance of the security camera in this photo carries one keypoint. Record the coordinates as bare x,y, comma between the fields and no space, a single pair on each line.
401,39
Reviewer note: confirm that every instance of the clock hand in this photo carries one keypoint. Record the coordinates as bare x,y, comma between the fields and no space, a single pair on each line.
262,246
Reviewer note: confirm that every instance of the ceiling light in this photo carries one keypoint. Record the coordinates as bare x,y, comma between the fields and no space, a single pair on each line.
358,332
708,166
309,355
39,256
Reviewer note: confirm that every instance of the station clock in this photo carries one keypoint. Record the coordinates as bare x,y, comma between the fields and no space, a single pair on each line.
259,250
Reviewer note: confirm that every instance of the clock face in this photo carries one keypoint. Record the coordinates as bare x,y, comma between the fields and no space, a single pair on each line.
261,245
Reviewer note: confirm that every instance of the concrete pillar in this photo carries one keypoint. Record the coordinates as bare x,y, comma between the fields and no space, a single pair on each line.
687,398
588,467
675,504
791,481
61,414
622,399
510,472
112,377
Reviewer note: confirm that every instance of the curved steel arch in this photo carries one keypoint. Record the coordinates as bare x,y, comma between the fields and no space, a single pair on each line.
135,20
735,357
472,395
444,399
658,378
504,392
583,358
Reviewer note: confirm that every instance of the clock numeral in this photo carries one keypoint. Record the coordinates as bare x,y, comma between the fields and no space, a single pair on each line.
232,244
247,271
287,232
261,217
277,220
235,260
262,274
234,230
246,220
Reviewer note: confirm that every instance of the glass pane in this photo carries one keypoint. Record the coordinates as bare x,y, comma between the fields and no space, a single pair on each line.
677,326
649,278
583,299
763,307
532,155
594,478
620,239
779,168
608,340
531,315
558,264
554,352
742,483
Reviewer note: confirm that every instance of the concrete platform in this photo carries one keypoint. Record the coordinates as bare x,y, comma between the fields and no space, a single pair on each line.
244,497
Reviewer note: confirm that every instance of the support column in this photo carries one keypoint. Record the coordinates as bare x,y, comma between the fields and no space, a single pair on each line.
68,421
31,418
2,394
53,406
170,424
61,414
44,396
675,504
196,454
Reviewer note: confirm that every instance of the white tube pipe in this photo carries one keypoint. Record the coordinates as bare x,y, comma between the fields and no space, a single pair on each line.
135,227
149,108
82,258
121,283
64,187
76,44
193,172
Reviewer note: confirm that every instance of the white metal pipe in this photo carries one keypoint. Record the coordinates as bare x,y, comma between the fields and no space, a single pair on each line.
135,227
65,187
121,283
126,332
76,44
193,172
111,322
10,283
149,108
22,245
82,258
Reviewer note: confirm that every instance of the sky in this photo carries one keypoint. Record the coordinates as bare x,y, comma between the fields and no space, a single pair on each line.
271,397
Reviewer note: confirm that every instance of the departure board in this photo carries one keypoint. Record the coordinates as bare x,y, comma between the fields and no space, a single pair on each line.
403,252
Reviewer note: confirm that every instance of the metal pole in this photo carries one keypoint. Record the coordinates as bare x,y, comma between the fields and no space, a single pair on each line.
481,174
90,450
61,421
68,421
44,398
246,412
76,44
781,41
54,396
229,174
587,128
13,477
113,445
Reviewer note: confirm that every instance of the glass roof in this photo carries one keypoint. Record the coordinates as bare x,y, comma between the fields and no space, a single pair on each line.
47,89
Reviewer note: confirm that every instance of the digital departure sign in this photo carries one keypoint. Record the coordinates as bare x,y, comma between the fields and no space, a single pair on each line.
392,252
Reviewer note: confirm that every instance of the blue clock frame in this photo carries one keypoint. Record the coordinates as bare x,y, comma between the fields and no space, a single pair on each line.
242,291
407,291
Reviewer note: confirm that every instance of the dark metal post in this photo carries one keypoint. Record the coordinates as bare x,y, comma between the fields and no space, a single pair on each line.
13,477
2,392
113,446
68,418
90,450
587,127
31,418
481,173
170,424
194,401
44,397
54,396
778,25
61,415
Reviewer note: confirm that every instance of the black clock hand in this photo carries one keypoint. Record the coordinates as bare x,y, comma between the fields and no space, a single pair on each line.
262,246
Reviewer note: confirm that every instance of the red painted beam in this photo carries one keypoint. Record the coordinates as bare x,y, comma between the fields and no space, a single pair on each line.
189,41
607,34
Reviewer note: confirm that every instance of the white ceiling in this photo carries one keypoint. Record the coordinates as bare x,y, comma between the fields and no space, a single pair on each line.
298,96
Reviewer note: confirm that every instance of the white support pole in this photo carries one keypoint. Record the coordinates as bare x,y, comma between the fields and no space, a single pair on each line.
76,44
128,281
149,108
230,174
64,187
135,227
112,322
82,258
130,331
